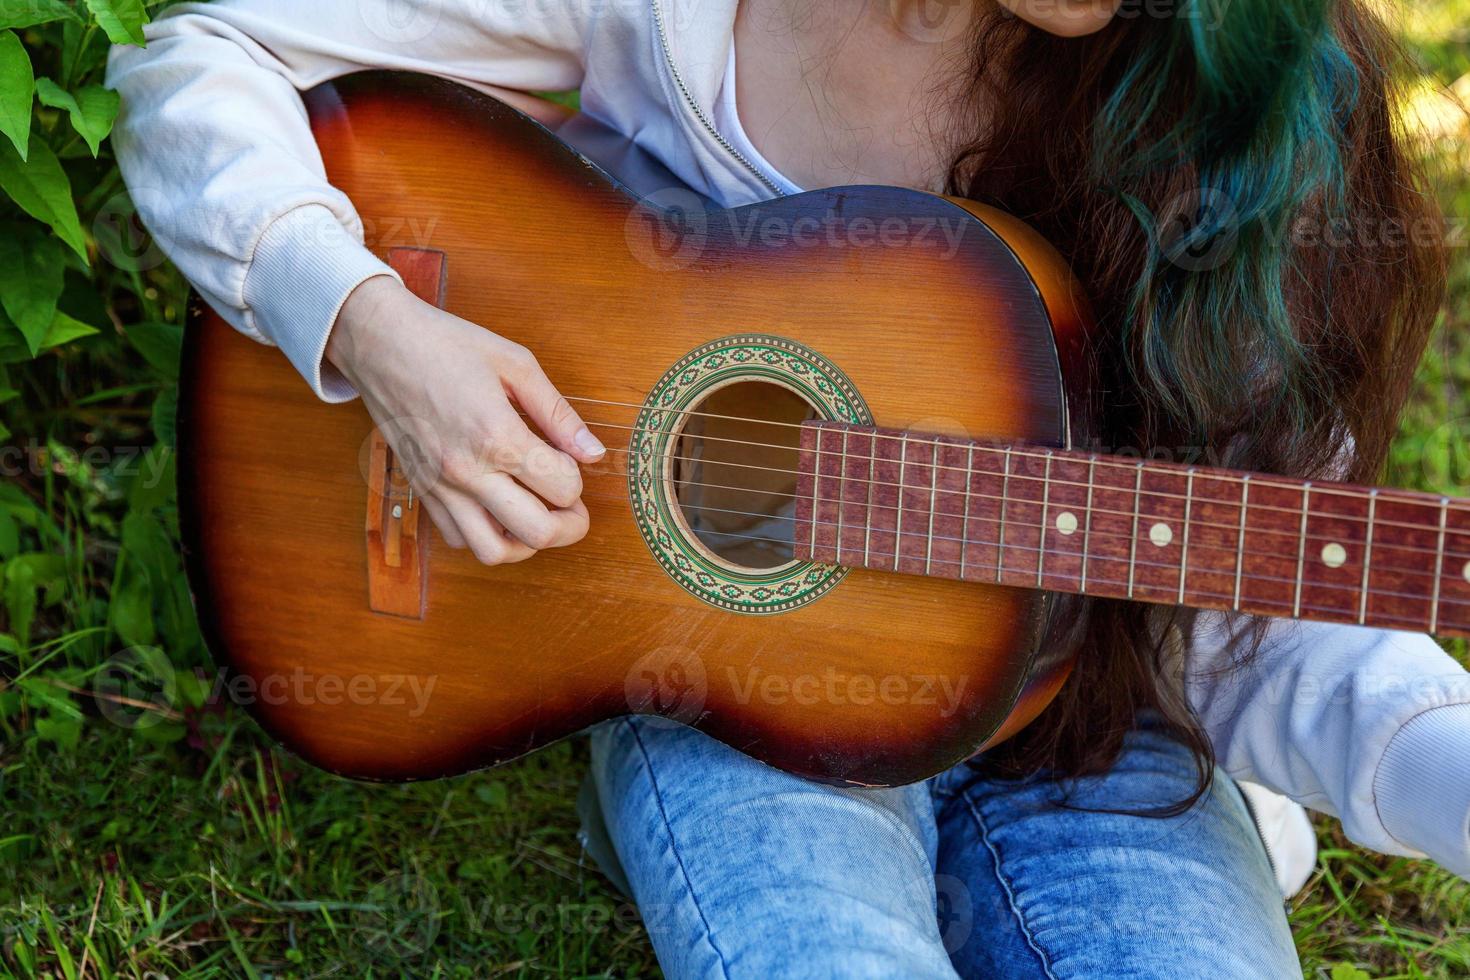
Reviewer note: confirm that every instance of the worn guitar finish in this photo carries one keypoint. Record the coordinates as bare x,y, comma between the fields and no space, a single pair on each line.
372,649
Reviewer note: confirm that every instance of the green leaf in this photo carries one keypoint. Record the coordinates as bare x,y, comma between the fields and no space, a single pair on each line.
148,547
193,690
63,330
44,693
64,731
45,568
41,188
160,344
20,599
131,612
93,109
123,20
154,480
9,535
17,88
83,49
165,732
32,268
29,13
493,795
165,416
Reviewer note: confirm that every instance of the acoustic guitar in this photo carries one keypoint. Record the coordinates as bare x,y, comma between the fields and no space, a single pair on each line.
840,499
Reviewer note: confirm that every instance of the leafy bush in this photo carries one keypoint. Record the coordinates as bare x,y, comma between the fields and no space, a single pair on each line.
89,345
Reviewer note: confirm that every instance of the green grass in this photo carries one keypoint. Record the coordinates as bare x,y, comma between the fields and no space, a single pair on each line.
193,847
230,859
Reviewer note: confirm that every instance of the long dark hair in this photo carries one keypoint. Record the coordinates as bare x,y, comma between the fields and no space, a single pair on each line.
1230,185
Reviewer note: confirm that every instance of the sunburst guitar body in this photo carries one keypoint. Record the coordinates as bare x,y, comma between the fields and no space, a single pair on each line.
840,496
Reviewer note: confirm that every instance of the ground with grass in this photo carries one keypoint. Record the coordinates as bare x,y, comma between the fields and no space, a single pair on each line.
182,843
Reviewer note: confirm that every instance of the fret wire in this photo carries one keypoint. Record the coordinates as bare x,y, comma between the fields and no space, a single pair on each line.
1301,561
1005,499
1087,528
816,491
1317,488
965,521
1274,580
1422,572
1444,519
1245,499
1137,514
1045,509
1184,548
1367,558
903,459
1119,464
868,508
933,505
841,493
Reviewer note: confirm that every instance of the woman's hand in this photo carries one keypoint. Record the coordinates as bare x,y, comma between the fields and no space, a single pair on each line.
444,392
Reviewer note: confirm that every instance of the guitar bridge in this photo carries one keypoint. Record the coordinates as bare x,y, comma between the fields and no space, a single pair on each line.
397,551
397,548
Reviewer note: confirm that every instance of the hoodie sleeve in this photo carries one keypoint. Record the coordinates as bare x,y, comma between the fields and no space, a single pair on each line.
214,144
1368,725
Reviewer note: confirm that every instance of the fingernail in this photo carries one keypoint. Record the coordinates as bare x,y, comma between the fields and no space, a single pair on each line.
588,443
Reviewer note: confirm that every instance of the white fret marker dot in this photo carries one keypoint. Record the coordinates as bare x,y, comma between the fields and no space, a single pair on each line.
1162,535
1466,572
1067,523
1334,555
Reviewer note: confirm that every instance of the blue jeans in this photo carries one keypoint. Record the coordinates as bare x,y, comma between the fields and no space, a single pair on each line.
740,870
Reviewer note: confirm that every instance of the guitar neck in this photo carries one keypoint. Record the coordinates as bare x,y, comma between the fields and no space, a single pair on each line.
1133,529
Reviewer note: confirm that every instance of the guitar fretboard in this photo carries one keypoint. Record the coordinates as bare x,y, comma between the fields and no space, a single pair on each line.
1132,529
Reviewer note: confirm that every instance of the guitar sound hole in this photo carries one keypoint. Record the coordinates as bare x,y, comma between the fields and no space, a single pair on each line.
735,472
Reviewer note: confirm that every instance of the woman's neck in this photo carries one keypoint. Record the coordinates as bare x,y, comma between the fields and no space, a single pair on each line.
835,92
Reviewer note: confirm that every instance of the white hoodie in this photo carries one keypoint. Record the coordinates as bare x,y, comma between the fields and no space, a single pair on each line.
1370,725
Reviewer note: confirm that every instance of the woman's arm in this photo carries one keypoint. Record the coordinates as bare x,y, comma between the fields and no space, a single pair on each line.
218,155
214,144
1369,725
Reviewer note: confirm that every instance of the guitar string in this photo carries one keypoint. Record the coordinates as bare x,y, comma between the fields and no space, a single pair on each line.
1089,511
1171,589
1234,529
1256,480
1430,501
1173,569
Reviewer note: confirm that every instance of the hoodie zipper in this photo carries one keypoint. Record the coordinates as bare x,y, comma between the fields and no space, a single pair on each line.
1250,810
663,40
